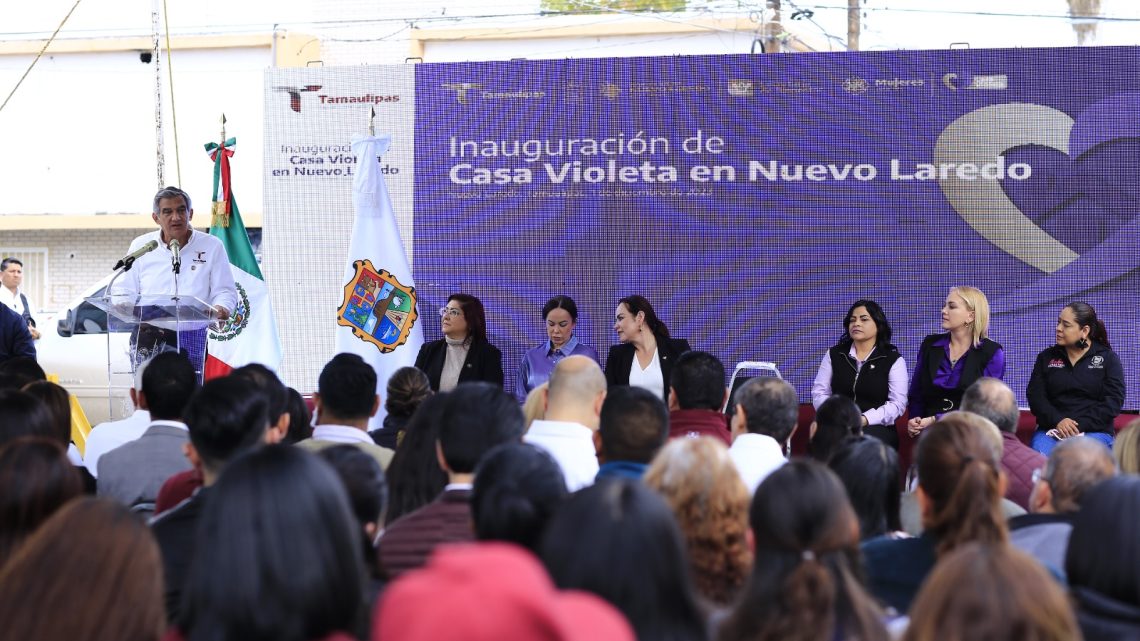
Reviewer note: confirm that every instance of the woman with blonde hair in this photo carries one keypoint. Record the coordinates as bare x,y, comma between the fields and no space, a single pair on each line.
1010,596
960,488
1126,449
950,362
704,490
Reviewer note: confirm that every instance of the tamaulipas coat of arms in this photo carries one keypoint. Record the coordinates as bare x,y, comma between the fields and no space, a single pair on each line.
377,308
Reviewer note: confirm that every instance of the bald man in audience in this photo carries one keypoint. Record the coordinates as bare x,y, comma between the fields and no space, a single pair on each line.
992,399
574,398
1074,466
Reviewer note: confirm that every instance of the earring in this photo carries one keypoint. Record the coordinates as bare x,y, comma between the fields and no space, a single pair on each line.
1083,343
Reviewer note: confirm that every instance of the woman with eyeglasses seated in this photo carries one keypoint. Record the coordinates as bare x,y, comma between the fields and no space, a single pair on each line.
463,354
561,316
646,354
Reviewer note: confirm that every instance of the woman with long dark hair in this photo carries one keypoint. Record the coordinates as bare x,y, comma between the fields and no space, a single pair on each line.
805,582
414,475
1103,561
646,353
464,353
960,488
278,554
865,367
1077,385
619,540
560,315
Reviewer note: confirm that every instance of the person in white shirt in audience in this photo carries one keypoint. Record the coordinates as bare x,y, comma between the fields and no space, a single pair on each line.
106,436
345,401
765,411
577,388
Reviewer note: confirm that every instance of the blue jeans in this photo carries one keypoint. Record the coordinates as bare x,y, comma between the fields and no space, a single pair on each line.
1044,443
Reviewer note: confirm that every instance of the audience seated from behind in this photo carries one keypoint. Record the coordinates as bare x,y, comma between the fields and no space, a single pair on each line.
632,428
345,401
710,503
1075,465
300,418
368,496
696,397
837,420
1103,561
475,418
182,486
133,473
960,485
22,414
91,572
1126,449
518,487
534,407
106,436
36,479
574,396
764,415
225,418
58,403
986,592
278,554
491,591
19,371
618,539
992,399
869,470
414,476
406,389
910,512
804,581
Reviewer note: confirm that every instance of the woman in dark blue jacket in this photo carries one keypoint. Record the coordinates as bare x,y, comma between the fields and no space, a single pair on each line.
1077,386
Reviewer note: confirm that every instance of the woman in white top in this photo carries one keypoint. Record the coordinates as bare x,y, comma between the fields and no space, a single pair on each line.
865,367
646,354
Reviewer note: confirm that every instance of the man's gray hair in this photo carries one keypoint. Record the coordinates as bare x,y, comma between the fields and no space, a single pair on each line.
171,192
992,399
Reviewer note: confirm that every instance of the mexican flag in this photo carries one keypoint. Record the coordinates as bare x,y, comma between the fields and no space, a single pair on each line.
250,334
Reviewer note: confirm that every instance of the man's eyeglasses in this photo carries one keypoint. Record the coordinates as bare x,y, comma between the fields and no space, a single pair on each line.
454,312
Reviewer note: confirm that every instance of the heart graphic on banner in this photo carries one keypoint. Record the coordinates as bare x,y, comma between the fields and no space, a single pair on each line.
1078,216
981,137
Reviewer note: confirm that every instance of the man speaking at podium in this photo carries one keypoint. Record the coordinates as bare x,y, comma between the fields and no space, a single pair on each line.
176,259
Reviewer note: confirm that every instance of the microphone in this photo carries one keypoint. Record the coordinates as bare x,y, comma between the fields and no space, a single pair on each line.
176,259
129,259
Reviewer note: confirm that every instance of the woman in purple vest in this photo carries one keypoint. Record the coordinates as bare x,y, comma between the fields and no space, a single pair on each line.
950,362
561,316
865,367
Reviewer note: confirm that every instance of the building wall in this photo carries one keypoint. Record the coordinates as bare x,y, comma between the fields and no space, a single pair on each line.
73,264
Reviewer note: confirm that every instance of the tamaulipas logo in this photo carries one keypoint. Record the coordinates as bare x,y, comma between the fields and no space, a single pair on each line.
377,307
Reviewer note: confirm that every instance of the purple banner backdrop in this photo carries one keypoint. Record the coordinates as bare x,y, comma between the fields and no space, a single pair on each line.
751,199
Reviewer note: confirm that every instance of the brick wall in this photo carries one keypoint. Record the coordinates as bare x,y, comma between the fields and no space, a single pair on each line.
76,259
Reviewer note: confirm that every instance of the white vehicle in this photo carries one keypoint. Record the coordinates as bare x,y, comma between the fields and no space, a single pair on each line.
76,350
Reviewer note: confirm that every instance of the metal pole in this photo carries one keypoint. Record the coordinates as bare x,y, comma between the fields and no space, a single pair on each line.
774,29
852,25
156,58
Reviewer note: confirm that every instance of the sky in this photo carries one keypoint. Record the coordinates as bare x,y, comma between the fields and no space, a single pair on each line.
887,24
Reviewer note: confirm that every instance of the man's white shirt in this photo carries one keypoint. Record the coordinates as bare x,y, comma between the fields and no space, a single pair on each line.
205,272
756,456
105,437
571,445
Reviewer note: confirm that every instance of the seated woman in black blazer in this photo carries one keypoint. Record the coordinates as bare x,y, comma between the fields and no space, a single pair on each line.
463,354
643,335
